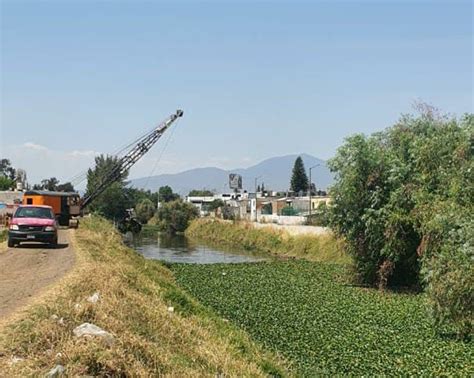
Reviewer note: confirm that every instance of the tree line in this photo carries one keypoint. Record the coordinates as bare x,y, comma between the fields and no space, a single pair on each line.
164,208
8,179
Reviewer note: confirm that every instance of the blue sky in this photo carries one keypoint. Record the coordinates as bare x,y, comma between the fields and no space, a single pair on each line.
255,79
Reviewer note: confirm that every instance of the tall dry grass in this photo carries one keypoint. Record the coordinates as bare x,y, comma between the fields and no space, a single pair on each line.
134,298
323,248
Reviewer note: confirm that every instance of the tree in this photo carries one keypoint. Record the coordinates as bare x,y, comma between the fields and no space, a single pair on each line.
258,188
175,216
7,170
200,193
6,183
50,184
299,179
66,187
166,194
403,203
214,205
113,202
145,210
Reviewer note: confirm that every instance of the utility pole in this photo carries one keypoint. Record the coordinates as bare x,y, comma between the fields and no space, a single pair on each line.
256,216
310,184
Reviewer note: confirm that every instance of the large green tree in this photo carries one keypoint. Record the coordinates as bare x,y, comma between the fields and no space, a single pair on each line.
6,183
166,194
7,175
6,169
403,202
113,202
299,179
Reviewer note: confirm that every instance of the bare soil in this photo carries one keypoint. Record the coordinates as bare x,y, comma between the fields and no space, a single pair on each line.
25,271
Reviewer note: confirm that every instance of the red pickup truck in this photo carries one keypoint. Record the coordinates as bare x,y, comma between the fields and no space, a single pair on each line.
31,223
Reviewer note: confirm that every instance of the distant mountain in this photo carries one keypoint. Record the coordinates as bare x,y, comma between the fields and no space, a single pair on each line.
274,172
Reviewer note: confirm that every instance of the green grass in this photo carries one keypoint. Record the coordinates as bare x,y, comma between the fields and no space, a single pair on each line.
3,235
304,311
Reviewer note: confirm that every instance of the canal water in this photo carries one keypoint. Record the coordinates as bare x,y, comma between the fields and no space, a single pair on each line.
179,249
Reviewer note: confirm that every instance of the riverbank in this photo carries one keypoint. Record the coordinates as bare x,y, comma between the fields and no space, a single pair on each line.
155,327
323,247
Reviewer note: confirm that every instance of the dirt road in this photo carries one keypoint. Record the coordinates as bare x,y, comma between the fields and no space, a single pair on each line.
26,270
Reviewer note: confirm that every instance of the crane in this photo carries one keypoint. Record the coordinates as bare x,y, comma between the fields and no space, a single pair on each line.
140,148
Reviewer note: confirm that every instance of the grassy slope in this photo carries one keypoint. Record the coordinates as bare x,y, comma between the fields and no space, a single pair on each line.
3,235
243,235
135,295
304,311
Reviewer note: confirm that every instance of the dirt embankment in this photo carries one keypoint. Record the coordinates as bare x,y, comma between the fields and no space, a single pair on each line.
27,270
154,328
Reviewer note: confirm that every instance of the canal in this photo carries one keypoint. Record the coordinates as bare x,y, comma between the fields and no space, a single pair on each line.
180,249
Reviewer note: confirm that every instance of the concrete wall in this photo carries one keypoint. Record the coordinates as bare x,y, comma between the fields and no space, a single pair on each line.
295,229
282,219
10,197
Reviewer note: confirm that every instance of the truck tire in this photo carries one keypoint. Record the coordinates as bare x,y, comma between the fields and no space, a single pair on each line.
10,243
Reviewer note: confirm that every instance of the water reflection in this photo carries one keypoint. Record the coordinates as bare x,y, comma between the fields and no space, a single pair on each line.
179,249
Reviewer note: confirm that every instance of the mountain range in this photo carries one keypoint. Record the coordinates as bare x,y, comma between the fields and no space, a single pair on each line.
275,173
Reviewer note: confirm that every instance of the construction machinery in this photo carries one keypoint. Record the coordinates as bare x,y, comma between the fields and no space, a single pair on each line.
65,205
137,149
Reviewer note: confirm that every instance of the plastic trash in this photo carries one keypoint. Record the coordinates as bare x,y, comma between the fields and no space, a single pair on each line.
90,330
57,371
93,298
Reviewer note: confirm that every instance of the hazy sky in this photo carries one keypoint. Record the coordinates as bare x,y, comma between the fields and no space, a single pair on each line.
255,79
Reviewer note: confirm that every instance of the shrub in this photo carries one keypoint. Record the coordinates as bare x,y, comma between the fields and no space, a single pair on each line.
175,216
403,198
145,210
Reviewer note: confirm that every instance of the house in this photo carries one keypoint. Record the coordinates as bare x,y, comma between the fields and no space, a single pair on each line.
9,201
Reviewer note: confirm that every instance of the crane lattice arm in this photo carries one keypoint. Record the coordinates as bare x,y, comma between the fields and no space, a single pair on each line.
128,160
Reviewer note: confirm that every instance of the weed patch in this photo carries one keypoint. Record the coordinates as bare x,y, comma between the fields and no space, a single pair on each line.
304,311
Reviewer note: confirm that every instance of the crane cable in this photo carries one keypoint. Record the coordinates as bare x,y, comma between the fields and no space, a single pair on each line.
162,152
82,176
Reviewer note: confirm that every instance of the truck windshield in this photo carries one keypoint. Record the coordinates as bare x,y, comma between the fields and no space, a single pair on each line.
33,212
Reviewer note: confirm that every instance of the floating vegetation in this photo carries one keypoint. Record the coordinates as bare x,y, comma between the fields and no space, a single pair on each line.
305,311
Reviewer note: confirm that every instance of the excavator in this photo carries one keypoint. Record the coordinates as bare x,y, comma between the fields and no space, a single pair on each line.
69,206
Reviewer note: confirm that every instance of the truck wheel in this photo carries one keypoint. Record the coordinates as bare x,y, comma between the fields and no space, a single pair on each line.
10,243
54,243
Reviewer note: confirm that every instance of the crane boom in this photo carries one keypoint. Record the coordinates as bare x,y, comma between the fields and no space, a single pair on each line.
128,160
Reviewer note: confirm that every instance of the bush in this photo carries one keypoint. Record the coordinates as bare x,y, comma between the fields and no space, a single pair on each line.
175,216
320,216
145,210
400,197
449,274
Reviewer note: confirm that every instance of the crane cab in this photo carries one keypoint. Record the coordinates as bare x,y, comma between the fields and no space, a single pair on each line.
65,204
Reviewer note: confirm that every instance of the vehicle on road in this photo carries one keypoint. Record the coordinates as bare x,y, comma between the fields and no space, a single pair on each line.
31,223
65,205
